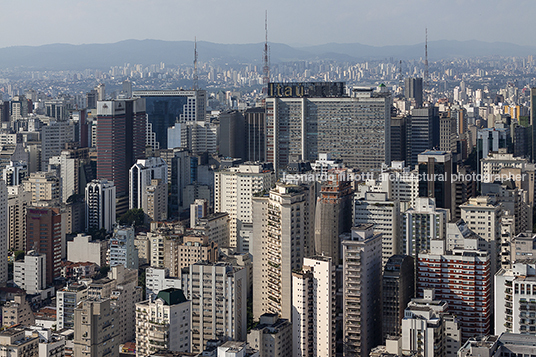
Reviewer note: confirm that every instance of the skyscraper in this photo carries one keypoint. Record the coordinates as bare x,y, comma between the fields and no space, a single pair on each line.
120,142
305,119
282,234
255,134
167,107
122,248
362,271
413,90
419,133
141,175
333,214
435,173
100,205
3,233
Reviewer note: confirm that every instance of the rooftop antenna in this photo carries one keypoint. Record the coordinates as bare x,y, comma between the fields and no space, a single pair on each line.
196,79
266,58
426,59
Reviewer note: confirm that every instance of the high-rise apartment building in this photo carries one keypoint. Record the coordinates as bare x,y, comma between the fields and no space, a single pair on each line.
234,188
179,254
44,235
3,233
514,298
305,119
219,296
163,323
100,205
313,308
53,139
155,203
16,220
361,281
122,248
96,329
398,288
333,214
421,224
461,277
157,279
44,186
67,299
282,234
375,208
120,142
166,107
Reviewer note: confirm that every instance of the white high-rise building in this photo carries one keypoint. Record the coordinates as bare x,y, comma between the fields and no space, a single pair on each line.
219,297
100,205
157,279
30,274
163,323
313,308
140,176
53,139
14,173
283,229
421,224
233,192
67,299
69,167
515,289
198,209
384,213
362,275
122,248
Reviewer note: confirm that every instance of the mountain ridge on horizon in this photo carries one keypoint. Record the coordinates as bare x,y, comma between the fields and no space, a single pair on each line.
63,56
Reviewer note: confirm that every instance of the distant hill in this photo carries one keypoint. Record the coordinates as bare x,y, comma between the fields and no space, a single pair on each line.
102,56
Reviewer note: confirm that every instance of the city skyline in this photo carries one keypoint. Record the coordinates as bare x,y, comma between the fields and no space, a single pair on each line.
295,23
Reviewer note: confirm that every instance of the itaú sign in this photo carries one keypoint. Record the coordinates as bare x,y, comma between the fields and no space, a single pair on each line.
309,89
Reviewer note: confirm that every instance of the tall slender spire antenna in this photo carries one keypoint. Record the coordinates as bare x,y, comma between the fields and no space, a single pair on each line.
266,58
196,79
426,59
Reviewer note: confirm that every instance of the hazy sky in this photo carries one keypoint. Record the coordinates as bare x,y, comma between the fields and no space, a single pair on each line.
372,22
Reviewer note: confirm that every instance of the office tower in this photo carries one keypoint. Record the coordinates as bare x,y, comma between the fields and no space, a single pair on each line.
435,171
44,235
96,329
140,176
483,215
158,279
255,134
53,139
164,323
398,138
232,135
179,254
81,249
101,92
19,107
166,107
16,226
471,301
127,88
491,140
428,329
305,119
234,189
520,137
122,248
375,208
100,205
272,336
362,270
180,165
282,232
91,99
155,204
30,273
218,293
15,173
421,224
447,133
120,142
333,214
199,137
44,186
398,288
533,122
513,293
67,299
17,312
413,90
4,111
313,308
419,131
3,233
198,209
